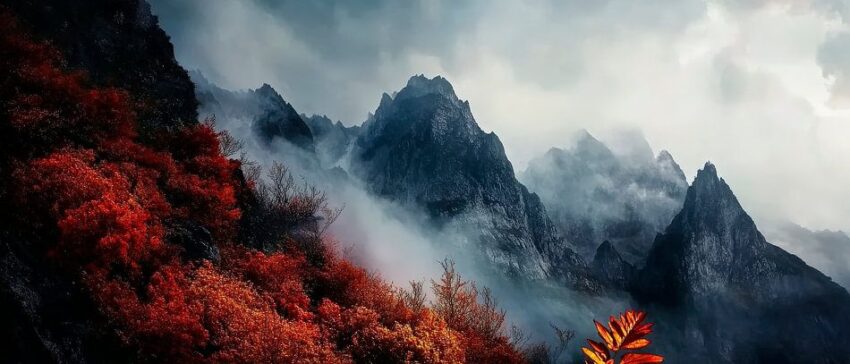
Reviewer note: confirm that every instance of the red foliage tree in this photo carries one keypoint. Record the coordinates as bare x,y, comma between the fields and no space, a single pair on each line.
105,199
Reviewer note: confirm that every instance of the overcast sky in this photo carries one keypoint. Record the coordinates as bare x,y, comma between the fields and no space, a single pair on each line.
761,88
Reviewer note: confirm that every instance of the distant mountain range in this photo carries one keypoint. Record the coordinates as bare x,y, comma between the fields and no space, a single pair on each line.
594,194
689,254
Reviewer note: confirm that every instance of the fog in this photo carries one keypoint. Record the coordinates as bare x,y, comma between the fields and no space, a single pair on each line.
757,87
760,88
399,244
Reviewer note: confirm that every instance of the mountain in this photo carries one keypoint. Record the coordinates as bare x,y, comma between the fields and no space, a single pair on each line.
333,140
278,119
269,116
424,148
609,266
740,299
596,194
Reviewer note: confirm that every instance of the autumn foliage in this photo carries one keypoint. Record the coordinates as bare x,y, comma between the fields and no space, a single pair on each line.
105,204
620,339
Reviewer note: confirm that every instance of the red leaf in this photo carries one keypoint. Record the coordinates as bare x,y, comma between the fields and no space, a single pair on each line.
632,358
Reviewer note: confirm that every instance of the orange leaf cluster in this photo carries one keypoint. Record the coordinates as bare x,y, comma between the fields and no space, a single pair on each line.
624,333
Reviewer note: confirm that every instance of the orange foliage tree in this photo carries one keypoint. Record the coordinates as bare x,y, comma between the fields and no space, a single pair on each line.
474,313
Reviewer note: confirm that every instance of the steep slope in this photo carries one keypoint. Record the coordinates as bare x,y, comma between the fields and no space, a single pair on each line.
594,194
47,315
264,110
118,43
120,247
740,298
277,119
826,250
423,148
609,266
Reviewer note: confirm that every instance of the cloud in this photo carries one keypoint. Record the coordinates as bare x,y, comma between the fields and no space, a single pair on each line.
834,58
826,250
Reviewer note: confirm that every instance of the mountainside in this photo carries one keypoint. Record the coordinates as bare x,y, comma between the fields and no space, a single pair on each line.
594,194
263,110
117,43
739,298
424,148
48,315
125,245
609,266
333,140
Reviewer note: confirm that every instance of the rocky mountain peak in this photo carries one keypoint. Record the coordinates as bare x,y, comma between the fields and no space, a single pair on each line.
267,92
587,143
710,204
699,251
606,251
611,267
423,148
669,166
664,156
420,85
708,173
714,265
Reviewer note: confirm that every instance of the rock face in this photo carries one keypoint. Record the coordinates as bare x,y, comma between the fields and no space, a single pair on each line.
333,140
739,298
423,148
610,267
594,194
268,115
118,43
277,119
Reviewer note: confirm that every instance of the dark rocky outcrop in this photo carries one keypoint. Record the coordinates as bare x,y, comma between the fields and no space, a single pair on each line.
610,267
277,119
424,148
47,316
263,110
118,43
195,240
736,297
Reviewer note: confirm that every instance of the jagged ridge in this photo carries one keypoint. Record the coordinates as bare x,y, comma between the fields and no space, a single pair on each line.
746,300
423,147
595,195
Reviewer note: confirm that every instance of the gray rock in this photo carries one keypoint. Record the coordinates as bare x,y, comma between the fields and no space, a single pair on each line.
738,298
195,240
424,148
609,266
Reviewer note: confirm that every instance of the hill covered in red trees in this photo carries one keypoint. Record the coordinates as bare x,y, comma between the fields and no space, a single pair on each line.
135,237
